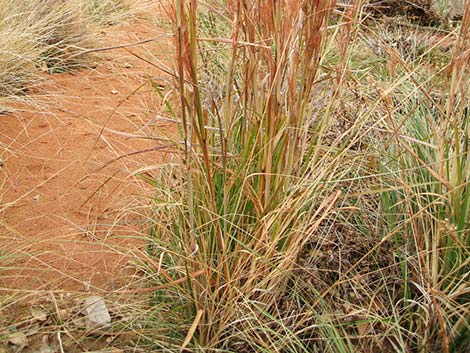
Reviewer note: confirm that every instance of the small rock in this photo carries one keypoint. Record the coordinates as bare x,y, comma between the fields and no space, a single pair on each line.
38,314
114,91
96,313
36,197
18,339
127,65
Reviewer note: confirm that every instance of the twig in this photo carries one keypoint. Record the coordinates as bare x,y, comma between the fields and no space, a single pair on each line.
118,46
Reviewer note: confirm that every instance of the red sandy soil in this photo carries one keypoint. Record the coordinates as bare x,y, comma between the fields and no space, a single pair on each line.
71,209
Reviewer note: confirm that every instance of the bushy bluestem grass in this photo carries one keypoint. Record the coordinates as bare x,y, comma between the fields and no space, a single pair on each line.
291,159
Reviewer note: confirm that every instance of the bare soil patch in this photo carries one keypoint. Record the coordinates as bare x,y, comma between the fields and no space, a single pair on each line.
71,202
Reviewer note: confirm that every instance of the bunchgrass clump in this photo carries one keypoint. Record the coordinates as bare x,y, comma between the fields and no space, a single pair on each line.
317,202
36,35
42,35
255,179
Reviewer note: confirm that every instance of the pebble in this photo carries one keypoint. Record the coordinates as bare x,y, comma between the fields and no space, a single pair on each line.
96,313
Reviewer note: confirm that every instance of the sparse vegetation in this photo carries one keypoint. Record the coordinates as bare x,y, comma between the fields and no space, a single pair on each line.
107,11
40,35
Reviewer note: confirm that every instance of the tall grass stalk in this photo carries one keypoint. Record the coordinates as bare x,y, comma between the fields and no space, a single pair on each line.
251,191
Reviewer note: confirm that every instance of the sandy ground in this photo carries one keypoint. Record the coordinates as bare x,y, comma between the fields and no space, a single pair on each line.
71,204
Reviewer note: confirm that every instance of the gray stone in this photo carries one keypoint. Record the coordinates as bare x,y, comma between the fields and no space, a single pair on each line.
96,313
